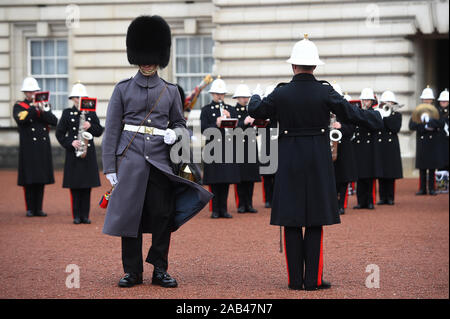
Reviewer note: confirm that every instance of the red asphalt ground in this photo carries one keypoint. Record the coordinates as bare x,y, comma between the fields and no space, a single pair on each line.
225,258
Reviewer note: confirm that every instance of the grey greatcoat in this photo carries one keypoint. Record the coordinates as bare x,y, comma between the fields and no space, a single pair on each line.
131,101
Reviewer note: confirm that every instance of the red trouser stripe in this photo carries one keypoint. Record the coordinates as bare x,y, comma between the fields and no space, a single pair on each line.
263,189
346,197
71,203
285,254
319,273
374,191
236,195
210,201
25,197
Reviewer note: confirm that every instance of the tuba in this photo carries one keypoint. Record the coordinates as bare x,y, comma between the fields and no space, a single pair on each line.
424,109
335,137
83,136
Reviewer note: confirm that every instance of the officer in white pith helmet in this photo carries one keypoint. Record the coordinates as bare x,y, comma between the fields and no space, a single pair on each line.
35,158
444,117
220,175
427,95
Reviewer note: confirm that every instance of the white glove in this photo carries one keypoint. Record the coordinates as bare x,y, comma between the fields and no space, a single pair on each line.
425,118
381,111
112,177
258,90
170,137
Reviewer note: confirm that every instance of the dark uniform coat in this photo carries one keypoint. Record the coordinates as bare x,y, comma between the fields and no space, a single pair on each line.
35,155
305,187
388,161
215,173
363,145
428,152
443,136
249,172
345,167
130,103
78,172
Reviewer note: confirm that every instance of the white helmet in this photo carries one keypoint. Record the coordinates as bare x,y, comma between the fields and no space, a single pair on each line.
269,90
367,94
30,84
218,86
347,97
427,94
305,52
337,88
388,96
78,90
242,90
443,97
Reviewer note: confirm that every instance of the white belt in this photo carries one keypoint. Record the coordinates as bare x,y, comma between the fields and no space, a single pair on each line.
144,129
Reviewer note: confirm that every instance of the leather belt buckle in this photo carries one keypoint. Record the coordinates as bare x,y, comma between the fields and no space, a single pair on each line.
149,130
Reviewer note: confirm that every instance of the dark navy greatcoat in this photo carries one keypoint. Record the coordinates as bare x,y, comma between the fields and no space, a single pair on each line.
305,187
130,102
78,172
249,172
443,136
345,165
35,154
388,161
215,173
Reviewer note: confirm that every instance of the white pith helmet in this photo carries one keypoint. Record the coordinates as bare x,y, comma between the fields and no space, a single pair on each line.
78,90
305,52
444,96
388,96
242,90
218,86
427,94
30,84
367,94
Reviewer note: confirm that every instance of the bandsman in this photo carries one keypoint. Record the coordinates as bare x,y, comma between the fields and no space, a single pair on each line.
219,175
443,113
249,170
80,166
388,161
35,156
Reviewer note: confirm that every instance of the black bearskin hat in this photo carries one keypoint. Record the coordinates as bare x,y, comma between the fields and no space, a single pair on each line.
149,41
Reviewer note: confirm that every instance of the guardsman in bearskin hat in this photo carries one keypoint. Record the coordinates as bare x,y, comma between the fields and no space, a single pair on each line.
428,154
345,164
388,161
305,187
364,151
218,175
35,155
80,167
249,171
144,117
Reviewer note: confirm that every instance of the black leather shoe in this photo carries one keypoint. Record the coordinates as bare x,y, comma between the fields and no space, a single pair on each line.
29,213
85,221
390,202
130,280
226,215
267,205
163,279
250,209
241,210
421,192
359,207
40,214
324,285
76,221
370,206
296,287
215,215
341,211
432,192
382,202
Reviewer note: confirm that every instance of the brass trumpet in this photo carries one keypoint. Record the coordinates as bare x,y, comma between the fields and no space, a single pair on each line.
389,108
335,137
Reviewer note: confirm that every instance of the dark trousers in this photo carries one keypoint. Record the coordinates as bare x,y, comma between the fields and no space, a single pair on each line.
34,195
364,191
386,188
220,199
304,256
245,194
341,189
268,182
157,216
81,202
423,180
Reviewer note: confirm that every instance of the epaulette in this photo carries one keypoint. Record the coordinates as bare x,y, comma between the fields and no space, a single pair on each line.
124,80
280,84
168,82
324,82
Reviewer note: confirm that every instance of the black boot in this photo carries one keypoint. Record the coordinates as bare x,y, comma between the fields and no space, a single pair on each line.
163,279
